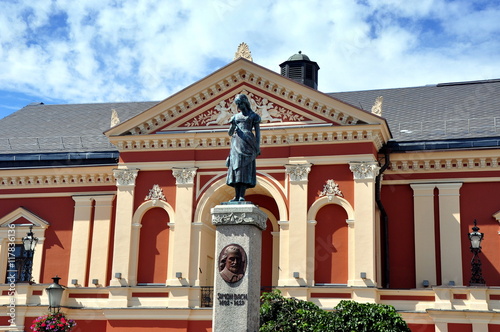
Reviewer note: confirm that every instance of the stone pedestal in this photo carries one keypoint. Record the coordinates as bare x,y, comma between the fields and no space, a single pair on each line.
236,295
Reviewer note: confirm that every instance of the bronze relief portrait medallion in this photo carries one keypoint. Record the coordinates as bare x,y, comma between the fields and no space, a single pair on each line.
232,263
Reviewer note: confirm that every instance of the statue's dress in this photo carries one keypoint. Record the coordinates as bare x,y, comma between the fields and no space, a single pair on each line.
244,150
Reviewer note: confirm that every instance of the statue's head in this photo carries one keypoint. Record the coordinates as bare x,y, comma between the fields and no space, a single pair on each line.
242,102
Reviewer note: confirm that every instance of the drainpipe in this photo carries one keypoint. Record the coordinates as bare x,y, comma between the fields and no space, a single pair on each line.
384,218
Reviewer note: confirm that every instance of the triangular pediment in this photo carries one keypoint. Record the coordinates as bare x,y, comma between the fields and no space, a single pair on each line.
23,217
208,104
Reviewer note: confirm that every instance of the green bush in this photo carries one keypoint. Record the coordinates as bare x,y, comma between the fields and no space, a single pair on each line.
278,313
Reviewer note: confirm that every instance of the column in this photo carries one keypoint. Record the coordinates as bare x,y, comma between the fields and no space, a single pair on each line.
425,241
78,261
101,234
364,230
179,252
449,226
125,183
300,272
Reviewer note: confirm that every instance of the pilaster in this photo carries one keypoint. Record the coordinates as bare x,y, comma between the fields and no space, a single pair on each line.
125,183
100,238
425,248
364,230
449,225
298,250
78,261
180,243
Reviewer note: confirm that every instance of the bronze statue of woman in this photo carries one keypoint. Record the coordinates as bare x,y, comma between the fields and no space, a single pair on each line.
245,147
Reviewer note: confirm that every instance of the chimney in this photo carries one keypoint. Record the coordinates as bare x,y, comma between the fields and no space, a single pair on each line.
301,69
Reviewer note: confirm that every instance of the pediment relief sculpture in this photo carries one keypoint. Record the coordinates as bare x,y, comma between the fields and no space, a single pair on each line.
268,111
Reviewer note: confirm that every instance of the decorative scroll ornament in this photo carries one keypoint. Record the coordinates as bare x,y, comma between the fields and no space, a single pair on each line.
125,177
155,194
114,118
330,189
364,169
298,172
239,218
377,106
184,175
243,51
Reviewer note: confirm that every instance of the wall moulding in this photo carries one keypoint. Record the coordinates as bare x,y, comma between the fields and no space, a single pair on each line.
444,164
283,136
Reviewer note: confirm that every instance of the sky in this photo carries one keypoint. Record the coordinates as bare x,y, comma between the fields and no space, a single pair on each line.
66,51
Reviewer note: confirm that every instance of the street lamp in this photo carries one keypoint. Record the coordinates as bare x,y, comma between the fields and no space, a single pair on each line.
55,293
475,238
29,244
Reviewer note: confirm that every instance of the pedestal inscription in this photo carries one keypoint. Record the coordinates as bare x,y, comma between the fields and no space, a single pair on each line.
237,277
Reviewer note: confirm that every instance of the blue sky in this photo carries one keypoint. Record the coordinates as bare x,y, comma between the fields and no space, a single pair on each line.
63,51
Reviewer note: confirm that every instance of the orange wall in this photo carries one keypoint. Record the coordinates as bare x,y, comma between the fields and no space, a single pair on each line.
153,247
480,201
339,173
331,245
59,212
455,327
422,328
267,238
398,203
158,326
145,181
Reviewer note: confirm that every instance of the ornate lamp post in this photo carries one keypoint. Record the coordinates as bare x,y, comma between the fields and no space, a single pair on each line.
29,244
475,247
55,293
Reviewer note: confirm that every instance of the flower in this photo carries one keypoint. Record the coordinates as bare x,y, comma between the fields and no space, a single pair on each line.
52,323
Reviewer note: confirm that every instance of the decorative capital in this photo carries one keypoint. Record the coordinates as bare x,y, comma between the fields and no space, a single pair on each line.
184,175
155,194
364,169
298,172
330,189
125,177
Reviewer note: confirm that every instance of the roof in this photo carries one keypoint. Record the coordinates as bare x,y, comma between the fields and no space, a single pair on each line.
438,112
39,128
298,57
452,115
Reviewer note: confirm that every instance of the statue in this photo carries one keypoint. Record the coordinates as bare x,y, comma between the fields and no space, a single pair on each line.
245,147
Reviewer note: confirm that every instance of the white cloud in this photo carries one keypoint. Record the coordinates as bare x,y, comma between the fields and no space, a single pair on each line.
147,50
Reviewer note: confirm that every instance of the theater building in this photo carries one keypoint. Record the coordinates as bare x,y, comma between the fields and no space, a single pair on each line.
370,196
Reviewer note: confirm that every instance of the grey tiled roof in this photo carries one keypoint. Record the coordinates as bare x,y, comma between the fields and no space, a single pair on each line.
57,128
439,112
468,110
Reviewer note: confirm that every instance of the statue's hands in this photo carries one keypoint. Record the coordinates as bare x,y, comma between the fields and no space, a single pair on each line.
258,152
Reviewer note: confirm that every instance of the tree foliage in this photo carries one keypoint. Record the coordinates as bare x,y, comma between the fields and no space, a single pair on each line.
278,313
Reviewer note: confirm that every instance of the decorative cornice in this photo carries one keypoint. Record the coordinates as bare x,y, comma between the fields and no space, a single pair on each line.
364,169
184,176
282,136
444,164
330,189
298,172
59,180
155,194
125,177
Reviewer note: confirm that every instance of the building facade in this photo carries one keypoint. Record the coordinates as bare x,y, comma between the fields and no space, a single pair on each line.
371,205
